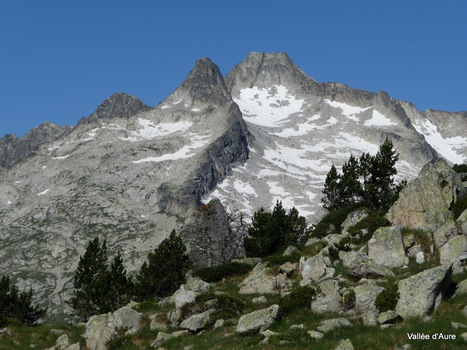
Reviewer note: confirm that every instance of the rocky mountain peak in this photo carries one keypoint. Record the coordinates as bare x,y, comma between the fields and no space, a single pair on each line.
203,84
119,105
266,69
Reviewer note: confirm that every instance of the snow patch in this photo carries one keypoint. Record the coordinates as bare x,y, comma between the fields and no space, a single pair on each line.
150,131
347,110
379,119
43,192
61,157
268,107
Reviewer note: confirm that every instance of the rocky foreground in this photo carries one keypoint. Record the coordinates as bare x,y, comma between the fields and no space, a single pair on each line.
423,252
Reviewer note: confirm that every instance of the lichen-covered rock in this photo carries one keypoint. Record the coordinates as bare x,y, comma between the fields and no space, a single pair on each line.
163,337
328,300
461,221
290,250
312,269
329,325
157,322
100,328
453,249
462,288
424,203
421,294
345,345
262,281
387,317
316,334
197,322
257,320
444,233
359,266
365,296
386,247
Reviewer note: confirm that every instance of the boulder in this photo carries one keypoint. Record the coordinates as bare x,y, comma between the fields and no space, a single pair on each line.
328,300
261,281
157,323
316,334
386,247
312,269
288,268
424,203
387,317
444,233
329,325
359,266
257,320
100,328
420,258
421,294
290,250
462,288
197,322
461,221
163,337
365,296
453,249
345,345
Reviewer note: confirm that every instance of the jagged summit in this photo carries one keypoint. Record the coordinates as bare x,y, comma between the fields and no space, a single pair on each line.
266,69
119,105
204,84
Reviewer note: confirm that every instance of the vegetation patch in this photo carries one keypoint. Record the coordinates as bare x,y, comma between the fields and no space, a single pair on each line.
331,223
299,298
459,206
387,299
217,273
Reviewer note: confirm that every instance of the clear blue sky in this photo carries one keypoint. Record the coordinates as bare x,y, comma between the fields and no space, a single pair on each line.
59,59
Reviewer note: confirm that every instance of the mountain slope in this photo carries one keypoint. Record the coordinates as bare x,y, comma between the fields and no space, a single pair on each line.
128,180
301,127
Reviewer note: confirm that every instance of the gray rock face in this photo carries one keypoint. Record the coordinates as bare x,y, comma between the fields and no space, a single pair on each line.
386,247
331,324
328,301
257,320
130,180
421,294
451,251
261,281
424,204
100,328
361,267
14,149
119,105
197,322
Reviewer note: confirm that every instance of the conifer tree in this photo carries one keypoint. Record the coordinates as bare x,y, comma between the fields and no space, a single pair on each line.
331,199
120,288
90,281
164,271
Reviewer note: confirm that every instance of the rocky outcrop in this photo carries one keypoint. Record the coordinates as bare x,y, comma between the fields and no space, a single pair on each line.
365,296
328,298
315,268
386,247
359,266
425,203
455,247
14,149
197,322
119,105
421,294
101,328
257,320
261,280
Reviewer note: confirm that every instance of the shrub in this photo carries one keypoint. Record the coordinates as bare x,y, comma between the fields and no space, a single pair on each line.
370,223
387,299
348,300
225,305
217,273
459,206
334,218
279,259
460,168
299,298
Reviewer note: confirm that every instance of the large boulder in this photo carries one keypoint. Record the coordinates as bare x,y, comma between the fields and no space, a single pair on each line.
424,203
100,328
445,232
197,322
352,219
386,247
328,300
365,296
451,251
359,266
257,320
261,281
421,294
312,269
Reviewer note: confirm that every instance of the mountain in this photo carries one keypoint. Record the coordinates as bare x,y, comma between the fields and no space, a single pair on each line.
130,173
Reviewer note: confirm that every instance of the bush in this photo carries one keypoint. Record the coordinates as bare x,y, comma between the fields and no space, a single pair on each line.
460,168
225,306
387,299
164,271
371,223
299,298
334,218
459,206
217,273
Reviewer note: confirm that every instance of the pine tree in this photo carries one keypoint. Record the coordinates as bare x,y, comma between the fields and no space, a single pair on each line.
349,187
120,288
256,243
90,284
164,271
331,200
